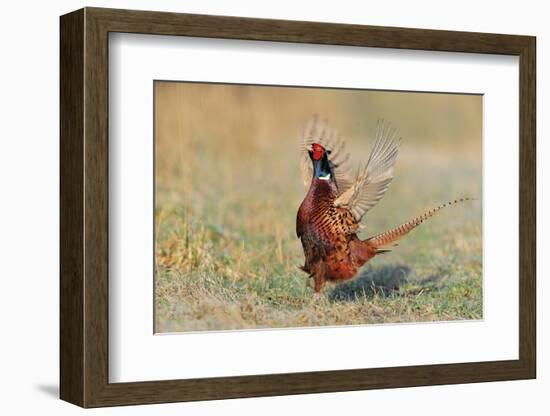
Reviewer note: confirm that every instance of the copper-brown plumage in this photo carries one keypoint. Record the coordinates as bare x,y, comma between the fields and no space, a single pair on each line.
330,215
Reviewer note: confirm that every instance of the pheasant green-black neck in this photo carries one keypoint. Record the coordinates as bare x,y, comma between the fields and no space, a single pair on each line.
322,169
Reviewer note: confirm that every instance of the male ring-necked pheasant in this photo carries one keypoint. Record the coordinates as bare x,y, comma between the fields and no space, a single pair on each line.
330,215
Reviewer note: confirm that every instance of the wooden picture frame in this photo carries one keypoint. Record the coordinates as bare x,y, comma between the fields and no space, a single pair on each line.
84,207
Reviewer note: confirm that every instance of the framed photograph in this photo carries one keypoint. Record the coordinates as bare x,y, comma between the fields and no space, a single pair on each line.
255,207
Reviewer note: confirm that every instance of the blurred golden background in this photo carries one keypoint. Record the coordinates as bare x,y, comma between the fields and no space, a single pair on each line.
228,187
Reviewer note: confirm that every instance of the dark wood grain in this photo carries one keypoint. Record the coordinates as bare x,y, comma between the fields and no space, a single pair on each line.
226,27
71,213
96,208
84,207
527,208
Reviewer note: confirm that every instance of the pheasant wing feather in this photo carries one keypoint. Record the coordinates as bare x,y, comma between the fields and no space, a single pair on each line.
373,180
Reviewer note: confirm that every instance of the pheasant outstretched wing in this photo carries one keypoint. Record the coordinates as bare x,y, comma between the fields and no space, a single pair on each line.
317,131
373,180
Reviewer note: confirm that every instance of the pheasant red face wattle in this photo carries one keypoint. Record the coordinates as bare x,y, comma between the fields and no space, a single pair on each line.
318,151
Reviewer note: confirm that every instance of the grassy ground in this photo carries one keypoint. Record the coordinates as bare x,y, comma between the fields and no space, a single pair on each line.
228,187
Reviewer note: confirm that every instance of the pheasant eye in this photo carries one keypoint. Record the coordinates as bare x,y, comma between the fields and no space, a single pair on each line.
318,151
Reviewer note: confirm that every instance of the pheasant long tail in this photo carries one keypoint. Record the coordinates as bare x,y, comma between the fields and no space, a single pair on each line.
388,237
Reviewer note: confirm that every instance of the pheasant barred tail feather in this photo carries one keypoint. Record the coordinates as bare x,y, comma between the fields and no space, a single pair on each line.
388,237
